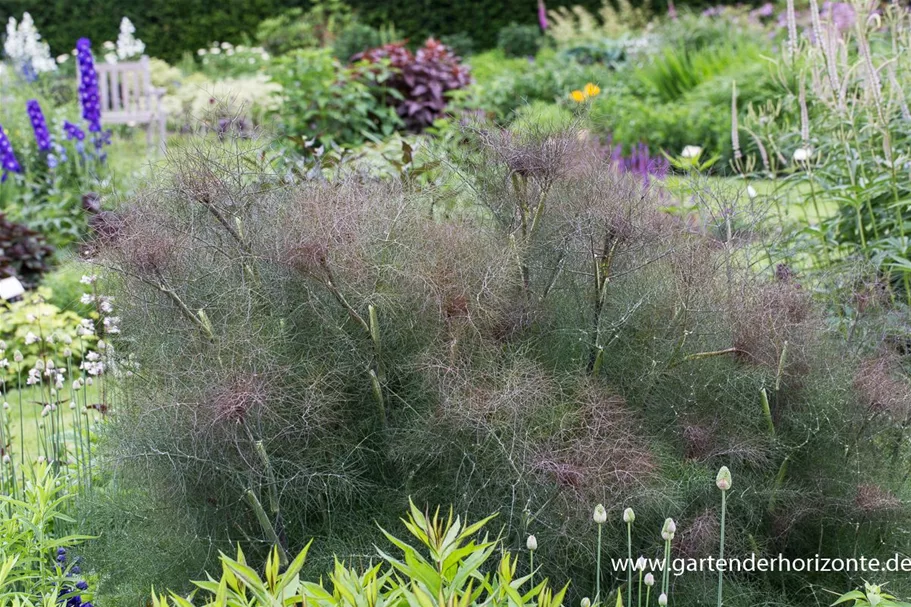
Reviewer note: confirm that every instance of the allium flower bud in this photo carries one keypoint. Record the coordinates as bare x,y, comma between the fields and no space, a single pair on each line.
17,356
640,563
629,516
5,406
586,602
723,480
600,515
2,345
649,579
6,458
662,599
531,543
669,528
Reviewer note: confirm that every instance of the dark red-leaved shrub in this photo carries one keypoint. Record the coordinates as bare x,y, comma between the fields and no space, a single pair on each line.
423,78
23,252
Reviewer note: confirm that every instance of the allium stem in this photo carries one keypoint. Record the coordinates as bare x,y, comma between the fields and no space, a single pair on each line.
640,588
721,541
598,568
531,567
629,571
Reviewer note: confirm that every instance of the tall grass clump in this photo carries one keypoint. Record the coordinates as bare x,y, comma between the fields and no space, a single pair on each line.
525,331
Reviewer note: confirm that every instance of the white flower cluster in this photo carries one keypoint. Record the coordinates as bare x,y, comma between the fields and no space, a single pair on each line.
230,50
25,48
128,45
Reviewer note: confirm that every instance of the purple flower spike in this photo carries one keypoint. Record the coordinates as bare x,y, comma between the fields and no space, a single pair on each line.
542,15
39,125
72,131
640,162
88,85
8,162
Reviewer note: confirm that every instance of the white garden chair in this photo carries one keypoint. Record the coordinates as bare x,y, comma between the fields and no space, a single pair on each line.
127,97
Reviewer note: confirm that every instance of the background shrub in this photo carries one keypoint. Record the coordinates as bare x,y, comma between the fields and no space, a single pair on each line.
355,39
520,40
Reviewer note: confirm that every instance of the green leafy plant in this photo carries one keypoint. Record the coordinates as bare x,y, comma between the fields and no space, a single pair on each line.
40,330
871,596
34,531
448,567
325,103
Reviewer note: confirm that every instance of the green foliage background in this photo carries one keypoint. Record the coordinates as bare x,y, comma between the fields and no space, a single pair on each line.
171,27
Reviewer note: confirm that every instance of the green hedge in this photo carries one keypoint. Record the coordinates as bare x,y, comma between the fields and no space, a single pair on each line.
170,27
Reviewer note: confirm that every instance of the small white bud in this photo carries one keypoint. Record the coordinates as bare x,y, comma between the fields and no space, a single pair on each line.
640,563
17,356
586,602
600,515
662,599
649,579
802,154
723,480
531,543
629,516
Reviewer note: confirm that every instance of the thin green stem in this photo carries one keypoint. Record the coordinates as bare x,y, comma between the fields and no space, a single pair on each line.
598,565
629,568
721,548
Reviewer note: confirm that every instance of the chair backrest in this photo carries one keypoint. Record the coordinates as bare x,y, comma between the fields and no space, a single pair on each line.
126,88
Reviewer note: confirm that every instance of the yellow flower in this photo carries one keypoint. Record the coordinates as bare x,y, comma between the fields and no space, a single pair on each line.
577,96
591,90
